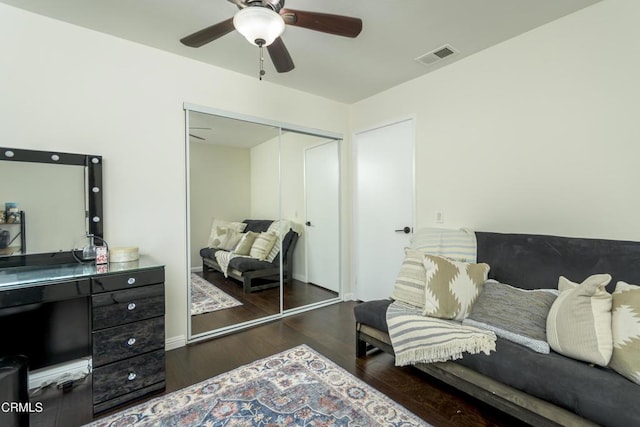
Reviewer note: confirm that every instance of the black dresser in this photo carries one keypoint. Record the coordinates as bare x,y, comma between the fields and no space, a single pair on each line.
127,312
113,314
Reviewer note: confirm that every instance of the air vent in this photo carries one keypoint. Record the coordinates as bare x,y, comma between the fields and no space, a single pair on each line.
436,55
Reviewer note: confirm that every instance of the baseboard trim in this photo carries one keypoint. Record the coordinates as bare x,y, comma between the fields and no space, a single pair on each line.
175,342
348,297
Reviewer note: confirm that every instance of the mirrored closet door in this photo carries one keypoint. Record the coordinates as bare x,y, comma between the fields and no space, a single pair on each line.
263,220
310,183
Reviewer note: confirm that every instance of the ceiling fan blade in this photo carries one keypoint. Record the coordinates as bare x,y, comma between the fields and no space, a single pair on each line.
338,25
208,34
239,3
197,137
280,56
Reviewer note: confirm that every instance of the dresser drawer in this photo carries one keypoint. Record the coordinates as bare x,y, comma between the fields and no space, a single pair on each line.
54,291
131,305
127,376
133,339
114,282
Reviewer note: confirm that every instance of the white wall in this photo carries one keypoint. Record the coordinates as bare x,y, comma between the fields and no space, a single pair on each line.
536,135
220,187
265,184
70,89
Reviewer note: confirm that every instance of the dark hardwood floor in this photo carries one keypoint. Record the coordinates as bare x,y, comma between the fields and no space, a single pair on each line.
330,331
255,305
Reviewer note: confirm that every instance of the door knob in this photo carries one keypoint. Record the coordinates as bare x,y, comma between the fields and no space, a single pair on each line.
405,230
308,223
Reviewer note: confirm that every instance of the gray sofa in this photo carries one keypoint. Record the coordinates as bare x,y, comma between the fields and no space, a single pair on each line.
254,274
540,389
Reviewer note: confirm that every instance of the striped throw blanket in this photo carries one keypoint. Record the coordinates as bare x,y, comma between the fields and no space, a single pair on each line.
223,258
459,245
421,339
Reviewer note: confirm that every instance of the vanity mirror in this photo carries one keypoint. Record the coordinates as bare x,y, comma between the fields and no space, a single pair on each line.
60,197
252,176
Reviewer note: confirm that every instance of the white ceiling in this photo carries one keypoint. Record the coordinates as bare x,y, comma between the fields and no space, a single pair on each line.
229,132
394,33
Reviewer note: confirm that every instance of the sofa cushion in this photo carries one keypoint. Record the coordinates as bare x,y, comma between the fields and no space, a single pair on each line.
373,313
287,244
412,279
593,392
452,286
625,325
244,264
257,225
531,261
209,253
579,322
518,315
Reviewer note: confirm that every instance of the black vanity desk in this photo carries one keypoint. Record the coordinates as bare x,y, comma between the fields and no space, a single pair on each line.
113,314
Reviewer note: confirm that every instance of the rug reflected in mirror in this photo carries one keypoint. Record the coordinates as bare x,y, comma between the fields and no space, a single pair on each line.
298,387
205,297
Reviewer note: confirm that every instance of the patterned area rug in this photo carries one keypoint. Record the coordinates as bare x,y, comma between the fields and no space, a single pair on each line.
206,298
297,387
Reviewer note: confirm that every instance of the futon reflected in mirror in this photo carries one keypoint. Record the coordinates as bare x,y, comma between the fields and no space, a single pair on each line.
251,255
47,201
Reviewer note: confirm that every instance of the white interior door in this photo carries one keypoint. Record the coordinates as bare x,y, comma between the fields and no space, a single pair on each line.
322,234
384,206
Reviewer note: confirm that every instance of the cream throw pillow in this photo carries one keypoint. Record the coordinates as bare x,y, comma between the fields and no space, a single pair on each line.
411,280
452,286
275,229
245,244
625,325
215,238
230,243
579,322
262,245
224,238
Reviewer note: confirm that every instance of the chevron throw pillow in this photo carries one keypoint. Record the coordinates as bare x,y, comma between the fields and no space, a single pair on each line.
452,287
625,324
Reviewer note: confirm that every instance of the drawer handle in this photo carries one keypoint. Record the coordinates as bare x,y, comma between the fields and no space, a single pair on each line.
131,280
131,306
132,376
131,341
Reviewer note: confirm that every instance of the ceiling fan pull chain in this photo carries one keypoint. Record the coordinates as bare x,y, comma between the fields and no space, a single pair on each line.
262,72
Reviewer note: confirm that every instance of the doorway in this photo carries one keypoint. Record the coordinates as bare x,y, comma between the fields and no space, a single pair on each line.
383,206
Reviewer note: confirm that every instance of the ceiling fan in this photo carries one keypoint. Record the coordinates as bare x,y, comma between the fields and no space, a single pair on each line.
262,22
196,136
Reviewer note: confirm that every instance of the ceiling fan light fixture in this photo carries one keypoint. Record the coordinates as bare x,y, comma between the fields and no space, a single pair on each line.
259,25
